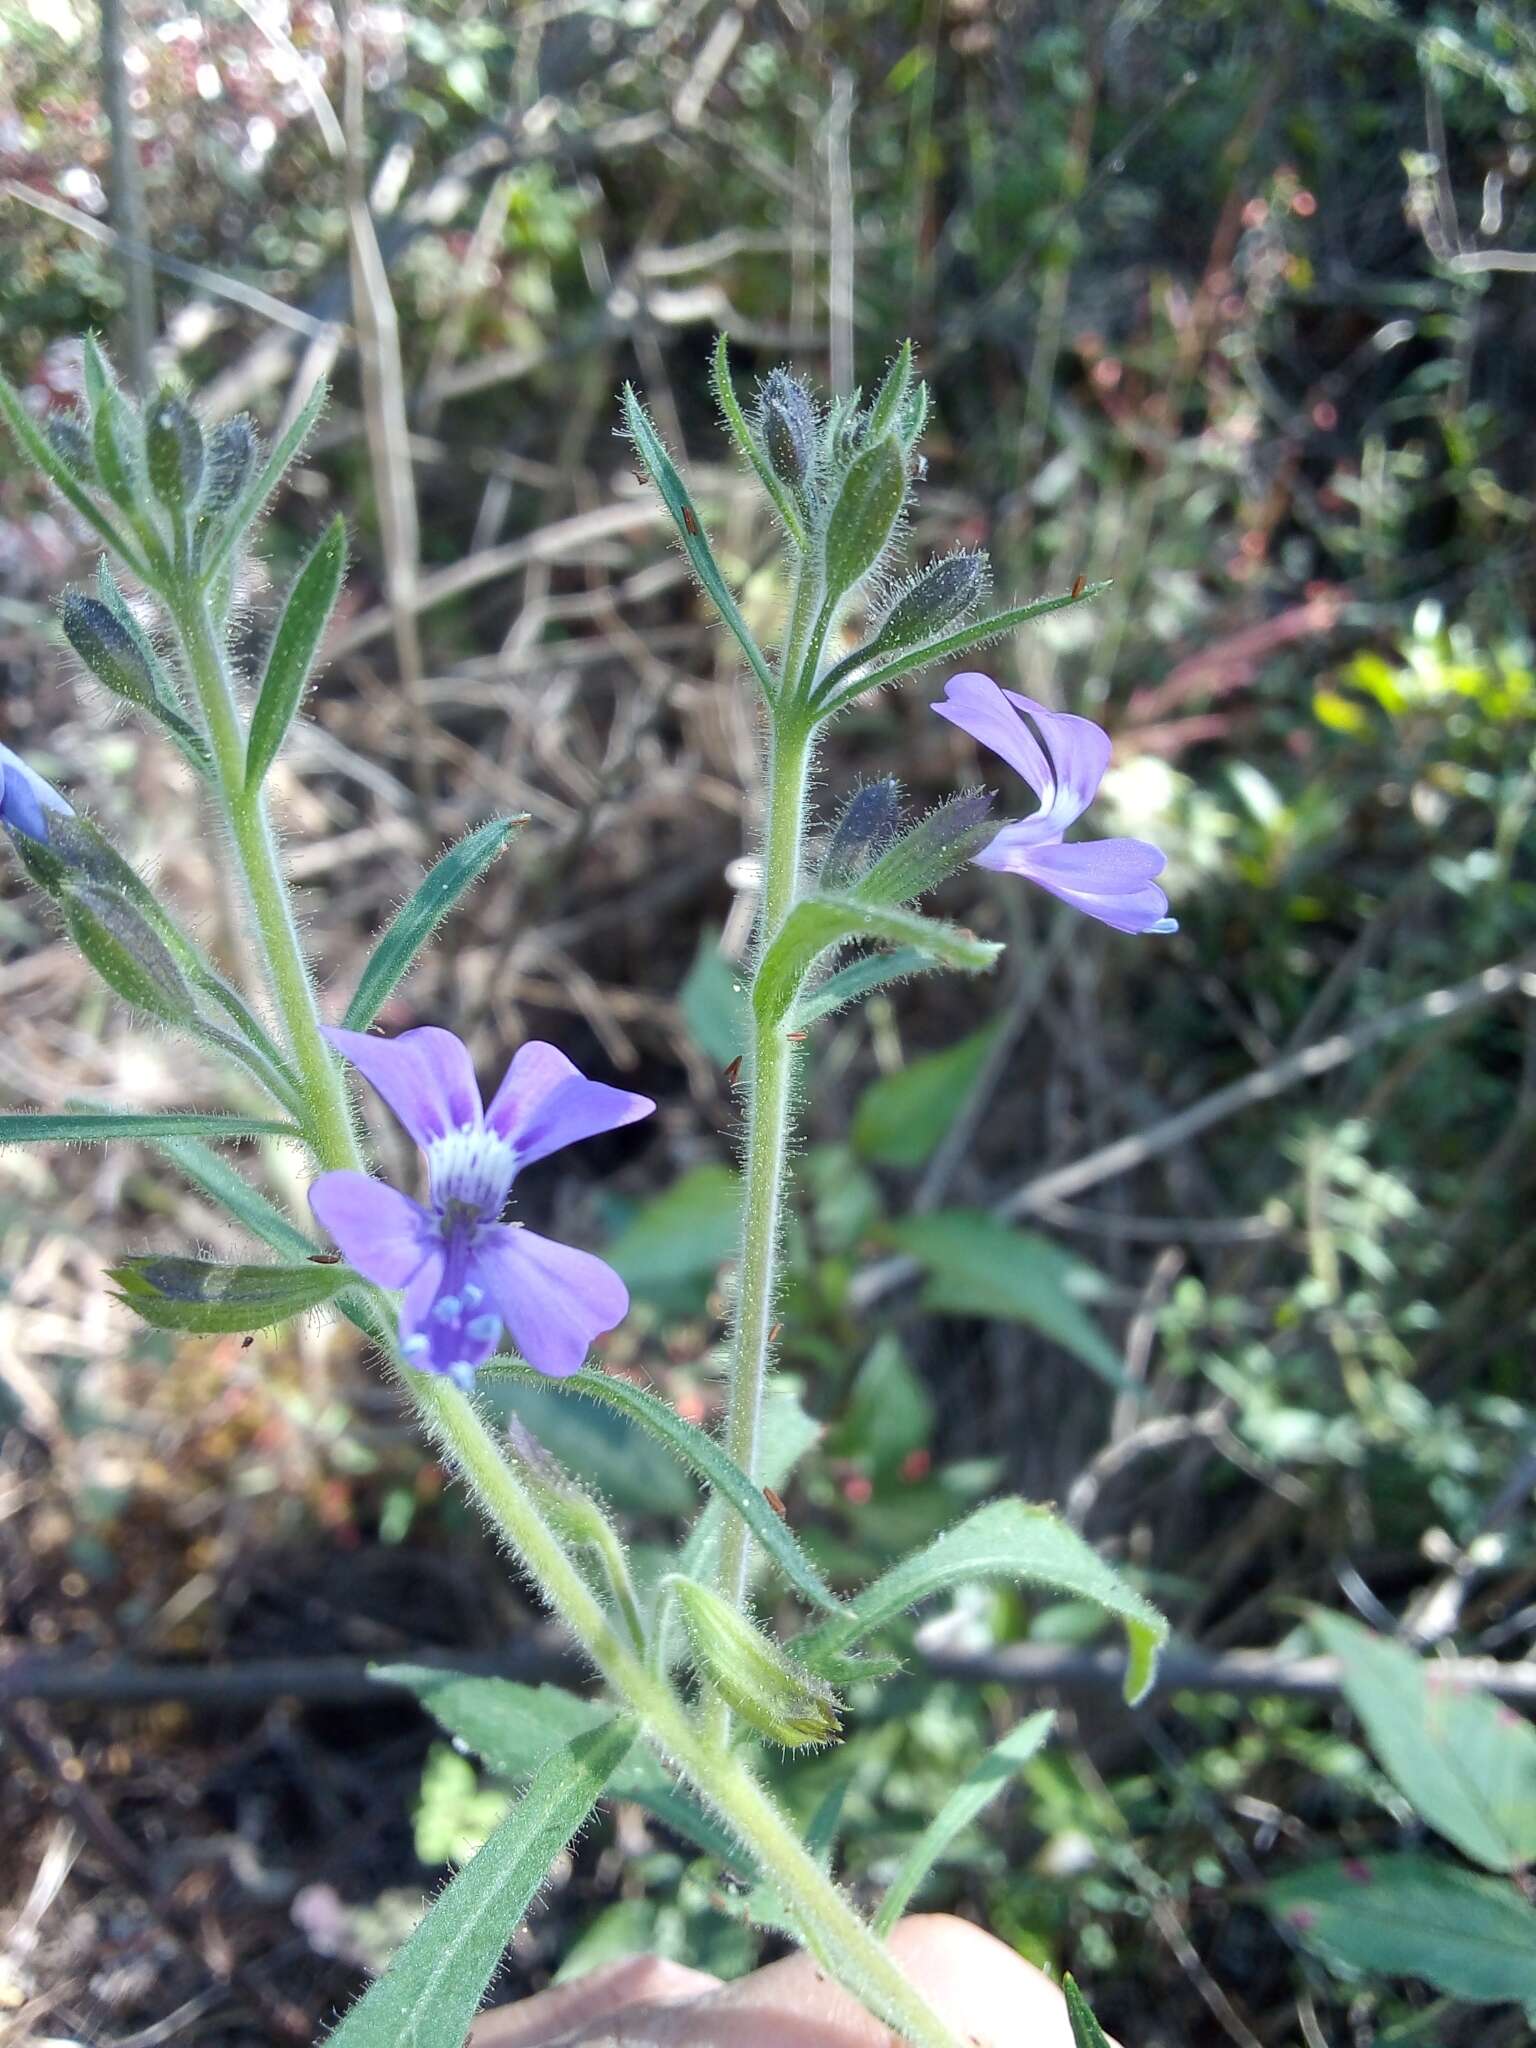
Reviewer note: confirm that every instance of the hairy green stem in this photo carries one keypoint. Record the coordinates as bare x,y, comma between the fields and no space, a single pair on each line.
770,1093
250,828
831,1929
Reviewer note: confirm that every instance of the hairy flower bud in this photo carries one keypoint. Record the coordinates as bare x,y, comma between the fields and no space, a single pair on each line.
752,1674
870,820
127,952
70,442
943,593
108,649
937,846
173,447
865,514
230,452
787,421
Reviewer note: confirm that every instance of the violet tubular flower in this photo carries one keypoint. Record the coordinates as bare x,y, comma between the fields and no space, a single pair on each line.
1063,759
26,798
465,1273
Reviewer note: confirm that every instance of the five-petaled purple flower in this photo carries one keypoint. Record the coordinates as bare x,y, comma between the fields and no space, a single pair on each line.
466,1273
25,798
1063,759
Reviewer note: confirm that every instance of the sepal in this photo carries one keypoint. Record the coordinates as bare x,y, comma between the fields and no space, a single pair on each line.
173,453
871,819
864,515
199,1296
752,1674
932,850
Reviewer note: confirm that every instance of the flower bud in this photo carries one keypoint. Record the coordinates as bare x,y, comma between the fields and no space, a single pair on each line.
869,822
943,593
27,800
231,450
787,422
752,1674
173,448
108,649
936,847
573,1512
67,437
127,953
865,514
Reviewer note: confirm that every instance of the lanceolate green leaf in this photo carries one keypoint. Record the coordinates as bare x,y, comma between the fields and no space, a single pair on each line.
291,657
440,889
210,1171
860,978
818,923
690,532
514,1728
1086,2031
428,1996
848,679
1415,1916
704,1457
1007,1539
93,1126
1465,1763
981,1784
202,1297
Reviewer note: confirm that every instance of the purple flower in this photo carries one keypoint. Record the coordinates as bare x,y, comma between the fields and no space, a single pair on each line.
25,798
465,1273
1063,759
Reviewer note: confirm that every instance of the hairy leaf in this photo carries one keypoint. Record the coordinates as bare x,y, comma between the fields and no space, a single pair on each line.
818,923
514,1728
295,645
699,1451
94,1126
201,1296
440,889
429,1994
1007,1539
690,531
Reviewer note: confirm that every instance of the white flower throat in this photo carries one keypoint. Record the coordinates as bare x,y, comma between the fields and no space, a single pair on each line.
471,1169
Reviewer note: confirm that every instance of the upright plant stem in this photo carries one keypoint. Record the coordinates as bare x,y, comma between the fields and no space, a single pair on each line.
277,934
768,1120
832,1930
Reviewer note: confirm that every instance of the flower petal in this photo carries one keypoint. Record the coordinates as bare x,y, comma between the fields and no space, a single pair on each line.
1061,757
978,706
553,1299
381,1232
25,797
1110,879
545,1103
1078,753
426,1076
